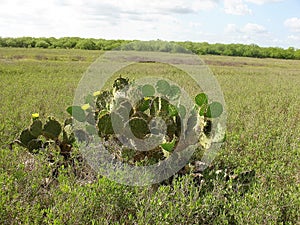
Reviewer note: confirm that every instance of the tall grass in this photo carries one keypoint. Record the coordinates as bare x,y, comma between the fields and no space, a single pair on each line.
262,97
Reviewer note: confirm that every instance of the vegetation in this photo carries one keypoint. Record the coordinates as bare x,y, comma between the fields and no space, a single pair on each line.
203,48
253,180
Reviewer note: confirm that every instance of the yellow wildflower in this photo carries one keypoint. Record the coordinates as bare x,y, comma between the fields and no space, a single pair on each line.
35,115
96,93
85,106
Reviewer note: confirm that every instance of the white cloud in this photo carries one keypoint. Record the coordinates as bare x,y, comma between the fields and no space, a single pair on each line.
261,2
128,19
249,33
236,7
249,28
294,38
293,24
252,28
231,28
147,7
134,19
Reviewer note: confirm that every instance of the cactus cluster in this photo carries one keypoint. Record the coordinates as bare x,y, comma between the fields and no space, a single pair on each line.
39,136
131,111
141,117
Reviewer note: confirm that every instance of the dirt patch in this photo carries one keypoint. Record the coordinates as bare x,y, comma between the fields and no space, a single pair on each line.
18,57
235,64
140,59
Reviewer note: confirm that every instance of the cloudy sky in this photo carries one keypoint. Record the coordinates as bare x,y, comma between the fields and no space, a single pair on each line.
264,22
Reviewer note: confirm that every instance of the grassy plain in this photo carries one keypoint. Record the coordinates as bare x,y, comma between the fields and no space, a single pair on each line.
262,97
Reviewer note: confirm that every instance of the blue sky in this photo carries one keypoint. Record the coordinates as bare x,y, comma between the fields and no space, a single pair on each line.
263,22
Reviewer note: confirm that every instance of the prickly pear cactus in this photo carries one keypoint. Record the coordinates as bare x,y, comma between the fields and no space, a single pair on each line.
105,125
39,136
36,128
26,137
52,129
131,110
139,127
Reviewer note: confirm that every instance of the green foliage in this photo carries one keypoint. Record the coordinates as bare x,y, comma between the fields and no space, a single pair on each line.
203,48
42,44
86,44
262,136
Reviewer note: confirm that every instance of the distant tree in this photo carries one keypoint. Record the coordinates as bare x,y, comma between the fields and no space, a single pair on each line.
86,44
42,44
297,54
70,43
11,42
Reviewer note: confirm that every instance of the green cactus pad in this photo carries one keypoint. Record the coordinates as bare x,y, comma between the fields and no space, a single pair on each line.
91,130
174,93
214,110
26,137
162,87
148,90
201,99
34,144
139,127
90,118
104,125
52,129
77,113
36,128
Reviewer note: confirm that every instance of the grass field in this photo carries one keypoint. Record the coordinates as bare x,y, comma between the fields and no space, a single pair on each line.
263,104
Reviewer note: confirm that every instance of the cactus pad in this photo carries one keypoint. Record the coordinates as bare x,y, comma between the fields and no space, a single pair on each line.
26,137
34,144
52,129
104,125
36,128
139,127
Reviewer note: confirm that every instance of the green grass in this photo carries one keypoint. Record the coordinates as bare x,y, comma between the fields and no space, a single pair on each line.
262,97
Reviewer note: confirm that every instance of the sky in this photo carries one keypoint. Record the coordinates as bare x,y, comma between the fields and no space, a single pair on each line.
262,22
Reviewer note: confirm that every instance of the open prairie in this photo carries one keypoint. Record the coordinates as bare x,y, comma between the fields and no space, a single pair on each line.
263,127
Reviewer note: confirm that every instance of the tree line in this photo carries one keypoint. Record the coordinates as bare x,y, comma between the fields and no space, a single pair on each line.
202,48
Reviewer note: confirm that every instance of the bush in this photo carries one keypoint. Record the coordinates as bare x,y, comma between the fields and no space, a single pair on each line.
86,44
42,44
